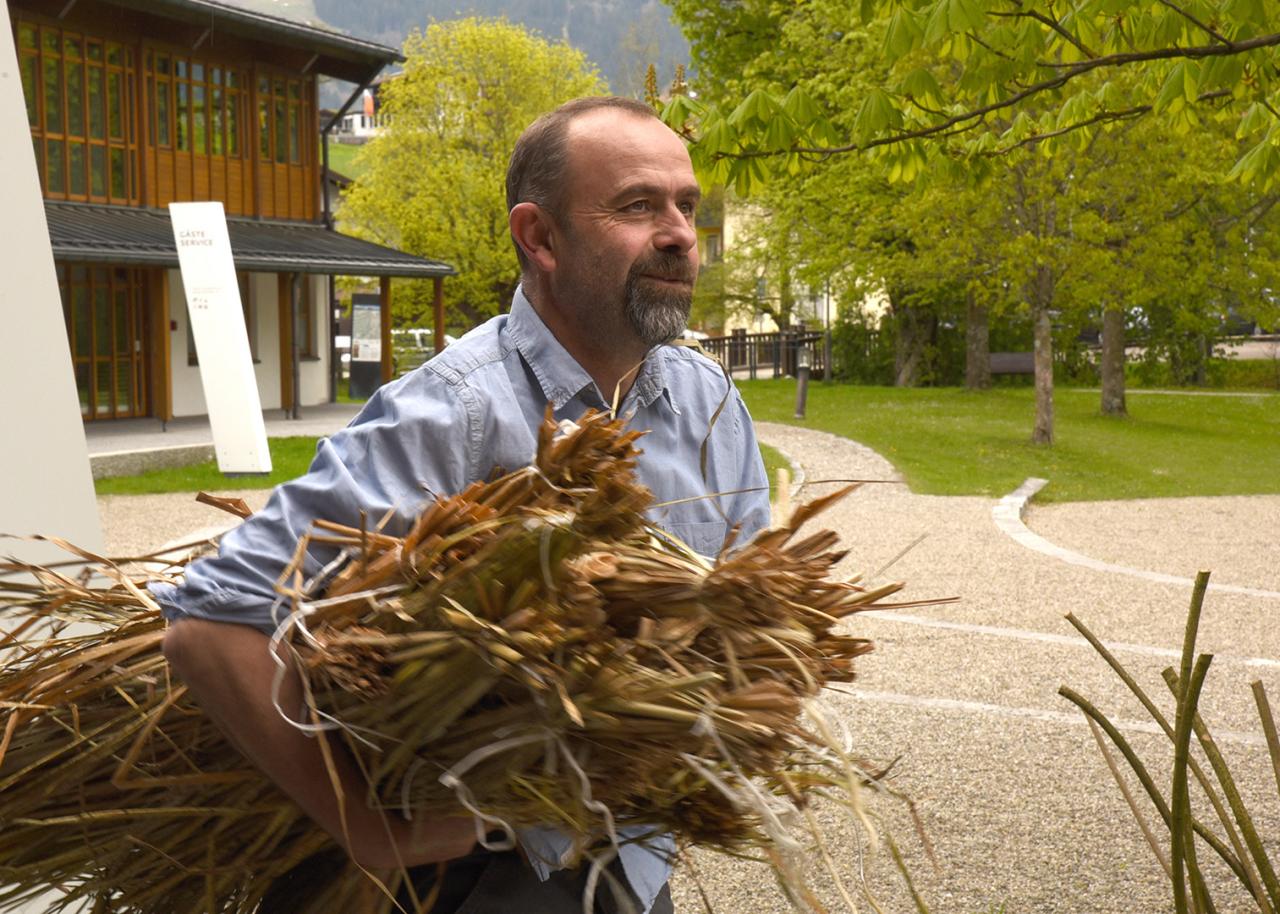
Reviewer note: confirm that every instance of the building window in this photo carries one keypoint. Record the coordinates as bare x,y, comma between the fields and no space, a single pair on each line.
714,248
249,306
281,120
105,325
196,105
78,92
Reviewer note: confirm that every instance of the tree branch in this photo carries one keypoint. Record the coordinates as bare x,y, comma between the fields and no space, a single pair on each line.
1194,21
1057,27
1101,117
1056,82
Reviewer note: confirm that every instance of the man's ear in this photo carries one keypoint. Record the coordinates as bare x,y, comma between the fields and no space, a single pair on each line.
532,229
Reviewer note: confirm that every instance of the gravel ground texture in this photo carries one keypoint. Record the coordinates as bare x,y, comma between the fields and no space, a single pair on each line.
1007,780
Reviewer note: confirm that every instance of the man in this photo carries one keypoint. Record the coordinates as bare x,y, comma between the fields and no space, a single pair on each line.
602,199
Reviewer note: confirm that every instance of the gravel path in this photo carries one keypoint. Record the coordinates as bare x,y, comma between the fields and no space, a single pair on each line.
1232,536
1012,790
137,524
1010,786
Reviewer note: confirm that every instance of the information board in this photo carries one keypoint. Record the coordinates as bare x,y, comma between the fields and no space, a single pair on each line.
222,343
366,333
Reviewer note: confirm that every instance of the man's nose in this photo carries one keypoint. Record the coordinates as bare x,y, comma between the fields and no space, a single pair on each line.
675,231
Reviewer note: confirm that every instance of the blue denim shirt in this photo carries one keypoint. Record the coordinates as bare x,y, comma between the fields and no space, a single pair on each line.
475,407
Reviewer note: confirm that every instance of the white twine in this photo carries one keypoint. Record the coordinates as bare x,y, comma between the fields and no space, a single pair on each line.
452,780
296,620
772,808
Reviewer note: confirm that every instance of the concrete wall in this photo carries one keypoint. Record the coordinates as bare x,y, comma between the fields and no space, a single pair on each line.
188,394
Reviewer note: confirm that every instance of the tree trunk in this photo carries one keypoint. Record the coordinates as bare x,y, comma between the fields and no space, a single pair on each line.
1113,363
1202,363
977,343
909,350
1042,295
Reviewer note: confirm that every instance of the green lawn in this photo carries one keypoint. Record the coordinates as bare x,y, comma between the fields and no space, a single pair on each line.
342,159
290,457
948,441
772,461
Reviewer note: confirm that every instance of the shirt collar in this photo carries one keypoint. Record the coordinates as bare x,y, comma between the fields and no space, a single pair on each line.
558,372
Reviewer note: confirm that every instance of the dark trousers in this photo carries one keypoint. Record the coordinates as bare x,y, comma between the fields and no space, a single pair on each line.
480,883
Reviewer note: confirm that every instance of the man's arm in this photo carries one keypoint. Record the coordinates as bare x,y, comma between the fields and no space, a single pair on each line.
410,439
229,671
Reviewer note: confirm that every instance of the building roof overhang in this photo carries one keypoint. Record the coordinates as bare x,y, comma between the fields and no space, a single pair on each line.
341,56
91,233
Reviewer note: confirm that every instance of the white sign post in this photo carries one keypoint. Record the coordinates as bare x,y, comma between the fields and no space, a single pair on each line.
222,344
45,482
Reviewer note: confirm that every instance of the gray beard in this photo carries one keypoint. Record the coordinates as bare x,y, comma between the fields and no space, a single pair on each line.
657,314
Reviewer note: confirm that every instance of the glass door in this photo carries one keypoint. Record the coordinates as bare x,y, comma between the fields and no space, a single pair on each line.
105,323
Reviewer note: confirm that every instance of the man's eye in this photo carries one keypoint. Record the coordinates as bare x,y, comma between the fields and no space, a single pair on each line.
688,208
638,206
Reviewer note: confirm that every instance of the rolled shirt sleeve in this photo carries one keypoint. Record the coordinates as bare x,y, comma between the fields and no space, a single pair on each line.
406,446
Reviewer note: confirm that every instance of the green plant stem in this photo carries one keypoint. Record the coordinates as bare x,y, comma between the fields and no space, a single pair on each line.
1242,855
1114,768
1182,851
1232,793
1268,727
1144,778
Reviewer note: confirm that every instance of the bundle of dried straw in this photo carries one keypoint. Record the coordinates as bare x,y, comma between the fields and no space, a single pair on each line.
533,649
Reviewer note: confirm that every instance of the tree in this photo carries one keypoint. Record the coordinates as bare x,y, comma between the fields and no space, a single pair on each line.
433,182
977,78
994,93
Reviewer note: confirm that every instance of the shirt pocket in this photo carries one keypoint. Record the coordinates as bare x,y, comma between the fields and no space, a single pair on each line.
703,537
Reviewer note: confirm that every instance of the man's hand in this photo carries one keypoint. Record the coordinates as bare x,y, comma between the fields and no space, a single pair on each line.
229,671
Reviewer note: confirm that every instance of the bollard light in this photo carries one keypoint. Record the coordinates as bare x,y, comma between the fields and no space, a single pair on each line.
804,358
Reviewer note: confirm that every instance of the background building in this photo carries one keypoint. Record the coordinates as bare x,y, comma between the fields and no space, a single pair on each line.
133,105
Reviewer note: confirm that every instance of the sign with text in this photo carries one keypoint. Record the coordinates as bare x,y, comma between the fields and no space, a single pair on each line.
366,345
222,343
366,333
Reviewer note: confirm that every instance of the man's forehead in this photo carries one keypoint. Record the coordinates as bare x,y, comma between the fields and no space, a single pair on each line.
603,145
596,137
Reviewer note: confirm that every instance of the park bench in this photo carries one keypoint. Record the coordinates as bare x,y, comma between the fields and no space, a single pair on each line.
1013,363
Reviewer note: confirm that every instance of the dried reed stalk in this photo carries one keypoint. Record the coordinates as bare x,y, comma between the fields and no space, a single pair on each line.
533,649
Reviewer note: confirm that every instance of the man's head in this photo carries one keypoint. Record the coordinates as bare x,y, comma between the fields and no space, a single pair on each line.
602,199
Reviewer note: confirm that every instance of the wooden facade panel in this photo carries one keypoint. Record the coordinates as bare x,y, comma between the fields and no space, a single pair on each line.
297,198
239,200
218,181
166,178
182,177
160,371
280,190
201,182
284,299
266,197
152,192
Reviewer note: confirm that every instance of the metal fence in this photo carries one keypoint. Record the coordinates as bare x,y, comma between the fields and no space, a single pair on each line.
770,355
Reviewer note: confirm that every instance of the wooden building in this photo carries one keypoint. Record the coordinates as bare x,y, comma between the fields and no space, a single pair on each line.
134,104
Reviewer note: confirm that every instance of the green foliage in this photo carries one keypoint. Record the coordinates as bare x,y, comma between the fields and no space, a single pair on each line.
947,441
433,182
947,84
861,353
1217,374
